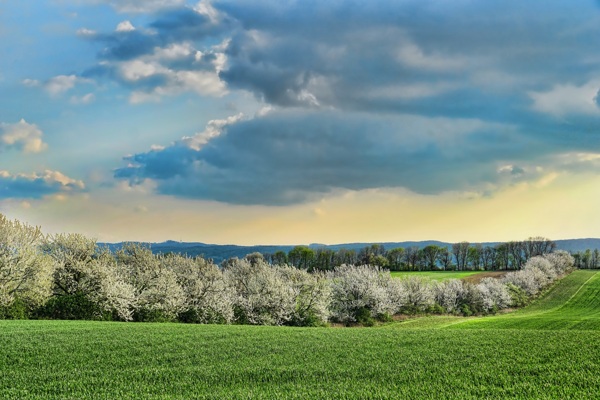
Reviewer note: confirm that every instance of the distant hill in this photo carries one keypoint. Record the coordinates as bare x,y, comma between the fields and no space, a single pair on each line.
218,253
575,245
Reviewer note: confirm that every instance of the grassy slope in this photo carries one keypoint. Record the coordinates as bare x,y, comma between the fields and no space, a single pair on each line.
436,275
73,359
574,303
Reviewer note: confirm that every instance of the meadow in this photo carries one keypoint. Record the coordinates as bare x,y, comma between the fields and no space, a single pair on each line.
572,304
550,349
436,275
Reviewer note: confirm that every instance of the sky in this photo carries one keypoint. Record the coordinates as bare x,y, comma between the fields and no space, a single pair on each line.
296,122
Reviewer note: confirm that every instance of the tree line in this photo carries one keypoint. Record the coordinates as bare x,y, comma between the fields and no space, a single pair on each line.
461,256
69,276
587,259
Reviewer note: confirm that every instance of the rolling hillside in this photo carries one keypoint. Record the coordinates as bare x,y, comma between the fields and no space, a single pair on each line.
574,303
549,349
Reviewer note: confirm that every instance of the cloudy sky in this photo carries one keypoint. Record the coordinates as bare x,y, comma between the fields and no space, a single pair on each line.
285,122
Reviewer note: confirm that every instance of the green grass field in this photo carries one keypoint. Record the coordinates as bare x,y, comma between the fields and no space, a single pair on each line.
550,349
435,275
572,304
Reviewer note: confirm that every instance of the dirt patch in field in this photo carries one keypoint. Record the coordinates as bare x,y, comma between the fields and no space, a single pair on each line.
490,274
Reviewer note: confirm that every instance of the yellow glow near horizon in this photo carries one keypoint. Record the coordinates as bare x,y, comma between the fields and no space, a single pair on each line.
559,208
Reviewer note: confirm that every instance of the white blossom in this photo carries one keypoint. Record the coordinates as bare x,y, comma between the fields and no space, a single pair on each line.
25,271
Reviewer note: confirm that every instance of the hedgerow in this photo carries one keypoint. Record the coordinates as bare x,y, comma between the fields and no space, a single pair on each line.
69,276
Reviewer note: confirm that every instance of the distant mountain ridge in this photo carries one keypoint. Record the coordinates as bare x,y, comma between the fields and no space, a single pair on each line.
218,252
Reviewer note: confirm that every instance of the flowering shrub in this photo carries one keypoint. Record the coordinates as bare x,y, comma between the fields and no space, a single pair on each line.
89,277
158,295
361,292
450,294
261,294
25,271
70,276
208,297
420,294
494,295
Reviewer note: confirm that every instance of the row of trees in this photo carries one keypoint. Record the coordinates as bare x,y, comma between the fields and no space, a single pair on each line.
70,277
459,256
587,259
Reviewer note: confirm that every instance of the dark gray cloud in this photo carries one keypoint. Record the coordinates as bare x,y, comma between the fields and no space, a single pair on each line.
127,45
178,51
429,96
404,53
405,56
288,158
162,164
173,25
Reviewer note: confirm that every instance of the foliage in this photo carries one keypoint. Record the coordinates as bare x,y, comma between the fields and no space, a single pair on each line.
494,295
419,294
312,295
17,309
208,298
72,306
88,278
69,276
540,271
542,264
572,303
301,257
25,271
360,293
158,295
450,294
561,261
262,295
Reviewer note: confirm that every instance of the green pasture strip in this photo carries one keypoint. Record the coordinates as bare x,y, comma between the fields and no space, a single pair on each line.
97,360
573,303
425,322
435,275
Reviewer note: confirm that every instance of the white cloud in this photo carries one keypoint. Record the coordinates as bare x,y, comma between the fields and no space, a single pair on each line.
175,51
140,6
125,26
85,99
84,32
63,83
264,111
202,81
138,69
413,56
213,129
60,84
22,136
37,185
510,169
58,177
565,99
139,97
57,85
205,8
31,82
